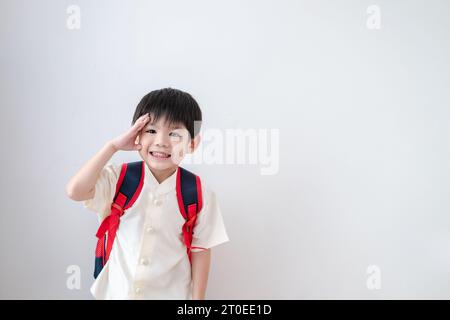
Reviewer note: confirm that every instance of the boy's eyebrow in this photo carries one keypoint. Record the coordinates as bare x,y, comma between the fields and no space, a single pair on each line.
175,126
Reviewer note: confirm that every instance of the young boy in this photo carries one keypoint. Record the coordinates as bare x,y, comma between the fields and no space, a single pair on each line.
149,259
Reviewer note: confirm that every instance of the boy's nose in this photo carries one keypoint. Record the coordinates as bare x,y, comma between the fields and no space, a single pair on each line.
161,140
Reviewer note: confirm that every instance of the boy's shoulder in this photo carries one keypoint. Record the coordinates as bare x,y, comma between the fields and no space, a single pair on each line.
113,168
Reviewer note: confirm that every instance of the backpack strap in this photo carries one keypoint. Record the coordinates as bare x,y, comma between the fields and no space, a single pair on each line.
128,188
189,196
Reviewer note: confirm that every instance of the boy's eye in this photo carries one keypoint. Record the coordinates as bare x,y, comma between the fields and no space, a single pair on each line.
174,134
151,131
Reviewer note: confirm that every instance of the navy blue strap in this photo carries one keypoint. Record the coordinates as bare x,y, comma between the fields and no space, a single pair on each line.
188,185
131,180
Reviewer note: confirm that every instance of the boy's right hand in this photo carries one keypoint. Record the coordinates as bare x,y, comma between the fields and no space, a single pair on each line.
127,141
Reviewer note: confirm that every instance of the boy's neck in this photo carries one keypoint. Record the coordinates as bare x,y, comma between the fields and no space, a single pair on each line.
161,175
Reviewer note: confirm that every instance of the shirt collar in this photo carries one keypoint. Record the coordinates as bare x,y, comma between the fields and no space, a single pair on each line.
152,185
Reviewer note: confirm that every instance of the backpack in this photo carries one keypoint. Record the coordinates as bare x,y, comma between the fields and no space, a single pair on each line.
128,188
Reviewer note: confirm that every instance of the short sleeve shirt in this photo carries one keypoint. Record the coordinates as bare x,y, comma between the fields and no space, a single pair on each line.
148,259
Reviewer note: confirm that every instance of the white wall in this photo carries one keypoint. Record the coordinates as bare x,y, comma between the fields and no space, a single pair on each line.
362,117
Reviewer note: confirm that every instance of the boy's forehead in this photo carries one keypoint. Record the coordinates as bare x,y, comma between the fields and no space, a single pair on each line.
163,122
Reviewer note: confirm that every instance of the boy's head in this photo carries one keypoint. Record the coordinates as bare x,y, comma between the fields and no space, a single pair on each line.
173,128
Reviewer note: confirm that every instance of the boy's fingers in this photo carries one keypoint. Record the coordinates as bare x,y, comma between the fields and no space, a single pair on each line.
139,124
142,120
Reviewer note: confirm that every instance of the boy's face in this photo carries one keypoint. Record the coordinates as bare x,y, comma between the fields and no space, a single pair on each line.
164,145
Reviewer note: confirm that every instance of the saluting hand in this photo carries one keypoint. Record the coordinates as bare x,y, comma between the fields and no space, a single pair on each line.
127,141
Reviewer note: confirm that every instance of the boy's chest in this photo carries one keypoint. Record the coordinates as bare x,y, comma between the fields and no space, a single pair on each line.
156,215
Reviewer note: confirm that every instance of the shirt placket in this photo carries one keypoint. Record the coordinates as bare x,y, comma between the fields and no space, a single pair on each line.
152,214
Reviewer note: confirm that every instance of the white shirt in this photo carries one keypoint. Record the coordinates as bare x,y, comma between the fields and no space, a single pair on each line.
148,259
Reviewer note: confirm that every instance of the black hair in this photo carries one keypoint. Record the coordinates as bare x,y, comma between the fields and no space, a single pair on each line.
176,106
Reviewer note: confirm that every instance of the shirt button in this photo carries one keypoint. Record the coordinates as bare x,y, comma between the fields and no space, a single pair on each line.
144,262
157,202
138,290
149,229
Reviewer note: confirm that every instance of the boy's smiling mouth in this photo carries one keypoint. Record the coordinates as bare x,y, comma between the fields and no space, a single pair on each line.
159,155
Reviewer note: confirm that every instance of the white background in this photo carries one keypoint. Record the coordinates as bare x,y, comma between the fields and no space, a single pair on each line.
363,153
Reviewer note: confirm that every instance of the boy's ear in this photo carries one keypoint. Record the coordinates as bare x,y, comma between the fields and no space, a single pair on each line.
194,143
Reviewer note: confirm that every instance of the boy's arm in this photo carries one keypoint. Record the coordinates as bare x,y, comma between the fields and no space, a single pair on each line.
81,186
200,268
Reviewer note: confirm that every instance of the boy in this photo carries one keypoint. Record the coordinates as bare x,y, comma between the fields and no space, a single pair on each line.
148,259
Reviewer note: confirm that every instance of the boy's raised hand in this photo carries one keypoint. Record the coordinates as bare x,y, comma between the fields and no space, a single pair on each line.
127,141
